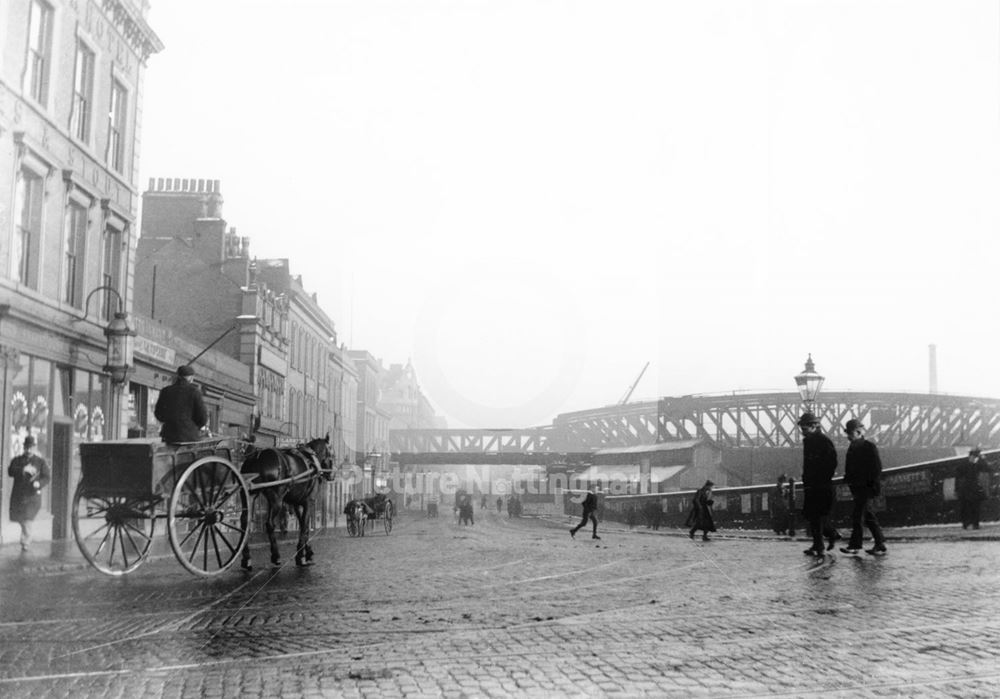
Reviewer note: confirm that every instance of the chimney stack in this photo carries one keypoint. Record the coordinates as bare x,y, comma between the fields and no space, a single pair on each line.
932,351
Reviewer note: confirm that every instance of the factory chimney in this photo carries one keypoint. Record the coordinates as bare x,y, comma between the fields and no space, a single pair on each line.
932,352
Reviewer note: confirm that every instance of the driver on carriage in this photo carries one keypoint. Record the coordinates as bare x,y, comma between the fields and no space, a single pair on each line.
180,409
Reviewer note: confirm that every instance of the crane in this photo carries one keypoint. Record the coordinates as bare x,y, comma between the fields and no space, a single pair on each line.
628,394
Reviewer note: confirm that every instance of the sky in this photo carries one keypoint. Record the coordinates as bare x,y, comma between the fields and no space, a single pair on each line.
530,200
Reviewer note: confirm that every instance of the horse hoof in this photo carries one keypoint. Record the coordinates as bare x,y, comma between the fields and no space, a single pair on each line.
303,564
246,566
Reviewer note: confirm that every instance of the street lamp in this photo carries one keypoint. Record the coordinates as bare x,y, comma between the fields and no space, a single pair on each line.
121,340
809,383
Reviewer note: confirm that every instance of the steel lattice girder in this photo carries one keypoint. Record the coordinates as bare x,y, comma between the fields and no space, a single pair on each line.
731,421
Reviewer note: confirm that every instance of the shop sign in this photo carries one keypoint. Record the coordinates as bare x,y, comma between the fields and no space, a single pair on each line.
153,350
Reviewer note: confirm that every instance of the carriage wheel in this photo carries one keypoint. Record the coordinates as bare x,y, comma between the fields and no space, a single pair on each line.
387,516
113,532
352,526
209,516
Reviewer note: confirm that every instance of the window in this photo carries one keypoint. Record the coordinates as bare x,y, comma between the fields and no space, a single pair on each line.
83,90
116,127
110,269
76,244
28,218
39,51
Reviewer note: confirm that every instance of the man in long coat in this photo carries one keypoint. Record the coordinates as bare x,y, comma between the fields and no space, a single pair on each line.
863,474
968,488
180,409
819,463
30,474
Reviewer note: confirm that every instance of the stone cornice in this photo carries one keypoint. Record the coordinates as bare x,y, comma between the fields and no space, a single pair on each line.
133,27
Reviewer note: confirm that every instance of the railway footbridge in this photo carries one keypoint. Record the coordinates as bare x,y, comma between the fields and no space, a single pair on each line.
755,431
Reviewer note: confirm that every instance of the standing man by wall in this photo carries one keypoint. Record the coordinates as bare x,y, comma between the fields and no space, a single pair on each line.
863,474
30,474
968,489
819,463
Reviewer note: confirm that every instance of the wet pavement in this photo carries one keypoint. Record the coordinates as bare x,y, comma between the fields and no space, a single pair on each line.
515,608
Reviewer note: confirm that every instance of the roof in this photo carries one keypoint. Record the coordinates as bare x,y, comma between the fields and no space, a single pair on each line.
645,448
628,472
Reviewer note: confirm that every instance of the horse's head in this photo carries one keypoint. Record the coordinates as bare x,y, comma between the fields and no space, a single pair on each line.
320,446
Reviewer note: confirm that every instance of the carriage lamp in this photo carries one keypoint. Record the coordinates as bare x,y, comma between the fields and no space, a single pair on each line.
809,383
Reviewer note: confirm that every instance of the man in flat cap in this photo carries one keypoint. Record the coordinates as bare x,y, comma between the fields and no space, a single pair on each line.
180,409
819,463
863,475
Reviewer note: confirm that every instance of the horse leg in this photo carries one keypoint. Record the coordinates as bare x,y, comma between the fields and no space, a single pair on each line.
245,561
270,526
303,552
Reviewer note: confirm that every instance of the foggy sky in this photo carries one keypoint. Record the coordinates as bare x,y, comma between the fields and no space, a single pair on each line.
531,200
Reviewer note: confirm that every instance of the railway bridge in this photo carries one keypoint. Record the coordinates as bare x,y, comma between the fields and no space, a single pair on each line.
755,431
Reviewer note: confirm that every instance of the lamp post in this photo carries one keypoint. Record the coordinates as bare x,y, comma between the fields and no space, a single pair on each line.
809,383
121,345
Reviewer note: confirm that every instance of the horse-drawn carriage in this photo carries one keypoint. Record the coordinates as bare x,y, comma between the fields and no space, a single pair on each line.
202,489
362,512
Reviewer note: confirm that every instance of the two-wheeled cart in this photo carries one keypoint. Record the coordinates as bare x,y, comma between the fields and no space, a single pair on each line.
127,485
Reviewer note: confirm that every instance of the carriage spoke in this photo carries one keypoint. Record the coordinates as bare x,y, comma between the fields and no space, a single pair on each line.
225,540
189,486
194,549
224,523
215,545
226,497
191,531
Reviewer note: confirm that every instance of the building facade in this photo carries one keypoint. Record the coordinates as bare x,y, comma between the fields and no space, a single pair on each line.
194,275
70,104
372,435
405,402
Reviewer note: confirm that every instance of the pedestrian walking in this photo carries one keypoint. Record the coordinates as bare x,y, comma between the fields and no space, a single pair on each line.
180,409
465,511
700,515
778,506
863,475
482,502
499,504
589,513
968,488
30,474
819,463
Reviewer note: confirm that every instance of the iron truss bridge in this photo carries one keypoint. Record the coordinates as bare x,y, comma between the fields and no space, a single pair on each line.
732,421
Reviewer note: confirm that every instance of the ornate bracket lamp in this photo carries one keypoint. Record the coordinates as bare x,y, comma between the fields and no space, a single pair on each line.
121,340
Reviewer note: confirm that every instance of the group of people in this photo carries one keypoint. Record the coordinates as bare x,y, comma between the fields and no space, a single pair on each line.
862,474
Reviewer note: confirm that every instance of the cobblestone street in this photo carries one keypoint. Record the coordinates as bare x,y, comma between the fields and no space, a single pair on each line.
512,608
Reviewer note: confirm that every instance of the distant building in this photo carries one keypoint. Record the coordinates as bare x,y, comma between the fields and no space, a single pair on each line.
405,402
656,468
70,104
372,421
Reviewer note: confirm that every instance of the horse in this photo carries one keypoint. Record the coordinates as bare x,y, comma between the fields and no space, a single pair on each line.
296,471
360,510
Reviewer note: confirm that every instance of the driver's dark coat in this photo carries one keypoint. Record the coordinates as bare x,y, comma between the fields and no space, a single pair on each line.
182,411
